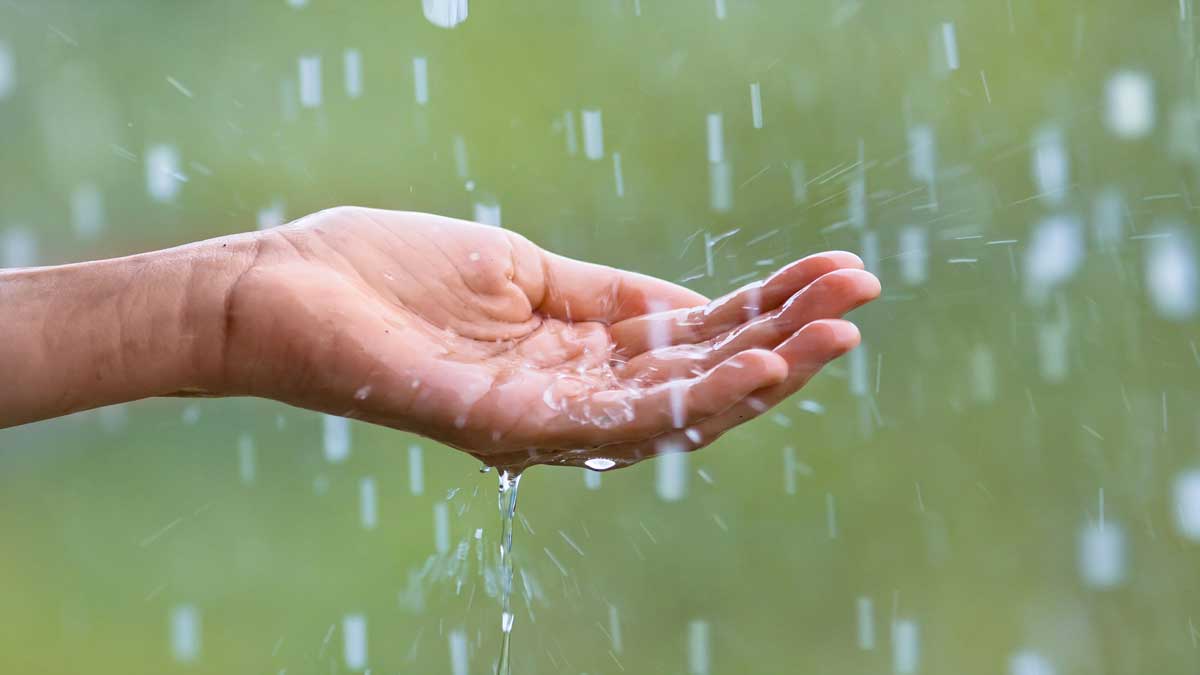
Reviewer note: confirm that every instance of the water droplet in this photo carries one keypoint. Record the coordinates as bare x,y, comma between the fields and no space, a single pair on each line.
599,464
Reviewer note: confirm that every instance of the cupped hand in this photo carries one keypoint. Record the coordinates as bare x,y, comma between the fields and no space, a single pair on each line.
476,337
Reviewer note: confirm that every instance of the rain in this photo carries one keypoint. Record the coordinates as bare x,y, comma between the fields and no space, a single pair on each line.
1004,476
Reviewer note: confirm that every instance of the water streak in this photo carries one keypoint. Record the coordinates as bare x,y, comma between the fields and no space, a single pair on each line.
508,508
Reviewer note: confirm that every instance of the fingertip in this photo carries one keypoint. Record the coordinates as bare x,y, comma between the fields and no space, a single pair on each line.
819,342
805,270
849,282
758,364
774,367
840,334
841,259
868,284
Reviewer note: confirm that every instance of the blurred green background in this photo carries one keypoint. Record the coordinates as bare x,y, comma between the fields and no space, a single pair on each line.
1003,479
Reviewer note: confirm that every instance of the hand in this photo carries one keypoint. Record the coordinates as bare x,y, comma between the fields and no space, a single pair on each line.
474,336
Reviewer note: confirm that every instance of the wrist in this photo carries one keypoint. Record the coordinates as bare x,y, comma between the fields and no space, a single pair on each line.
86,335
210,274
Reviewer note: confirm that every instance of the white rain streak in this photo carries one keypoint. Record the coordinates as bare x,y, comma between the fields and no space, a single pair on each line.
856,201
247,463
1102,554
179,86
310,81
1051,166
421,80
870,251
618,175
614,628
416,470
1129,104
593,135
676,393
789,470
716,138
87,210
336,437
799,181
720,185
352,72
354,641
8,70
982,368
458,652
1186,492
461,166
756,111
1029,662
949,45
699,656
859,371
659,334
441,527
271,215
720,173
719,8
163,177
185,633
922,153
1171,276
810,406
488,214
1055,251
914,255
368,503
445,13
297,3
591,480
671,472
569,132
906,648
1108,219
865,615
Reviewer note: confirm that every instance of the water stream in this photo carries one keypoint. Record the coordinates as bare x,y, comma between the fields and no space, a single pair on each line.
508,507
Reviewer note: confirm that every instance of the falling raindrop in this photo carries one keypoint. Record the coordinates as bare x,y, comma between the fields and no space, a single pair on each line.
185,633
310,81
352,65
1130,104
354,641
336,437
445,13
593,135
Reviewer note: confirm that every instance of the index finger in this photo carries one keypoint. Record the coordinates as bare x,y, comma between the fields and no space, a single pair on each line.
581,291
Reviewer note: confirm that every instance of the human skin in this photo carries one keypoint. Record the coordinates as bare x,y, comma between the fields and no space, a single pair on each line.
468,334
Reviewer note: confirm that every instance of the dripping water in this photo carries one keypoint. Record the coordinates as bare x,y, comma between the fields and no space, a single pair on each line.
508,508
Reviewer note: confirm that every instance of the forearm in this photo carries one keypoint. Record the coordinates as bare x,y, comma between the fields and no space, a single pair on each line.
79,336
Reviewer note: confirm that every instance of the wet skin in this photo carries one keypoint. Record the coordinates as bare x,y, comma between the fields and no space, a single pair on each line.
474,336
468,334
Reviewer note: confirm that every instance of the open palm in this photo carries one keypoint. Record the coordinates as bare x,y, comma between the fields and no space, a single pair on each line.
474,336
